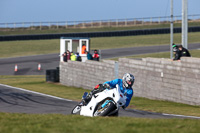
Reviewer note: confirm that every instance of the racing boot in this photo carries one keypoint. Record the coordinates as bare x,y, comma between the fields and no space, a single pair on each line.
97,88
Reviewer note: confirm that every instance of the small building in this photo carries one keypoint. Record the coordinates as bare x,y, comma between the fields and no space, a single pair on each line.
75,45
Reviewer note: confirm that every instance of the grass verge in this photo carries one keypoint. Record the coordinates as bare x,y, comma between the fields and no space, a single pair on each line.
55,123
25,48
37,83
34,47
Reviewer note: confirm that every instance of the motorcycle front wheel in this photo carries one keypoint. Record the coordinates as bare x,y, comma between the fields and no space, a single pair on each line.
105,110
76,110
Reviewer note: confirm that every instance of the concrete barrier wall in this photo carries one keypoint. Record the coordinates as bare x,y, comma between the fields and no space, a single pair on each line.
86,74
155,78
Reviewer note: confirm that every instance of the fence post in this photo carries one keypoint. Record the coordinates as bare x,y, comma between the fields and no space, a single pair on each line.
100,55
100,23
66,24
192,18
168,19
116,22
83,24
92,24
57,25
125,22
14,25
49,25
135,21
31,25
142,21
40,25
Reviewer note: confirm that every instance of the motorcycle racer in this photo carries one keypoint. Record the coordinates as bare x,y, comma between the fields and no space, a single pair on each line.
125,85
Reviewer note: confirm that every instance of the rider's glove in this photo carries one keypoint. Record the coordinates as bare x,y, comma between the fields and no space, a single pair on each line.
124,107
106,86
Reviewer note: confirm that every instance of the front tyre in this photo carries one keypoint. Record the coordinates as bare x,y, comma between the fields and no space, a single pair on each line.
105,110
76,109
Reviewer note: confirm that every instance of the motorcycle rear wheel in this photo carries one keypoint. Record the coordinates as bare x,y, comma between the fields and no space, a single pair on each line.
106,110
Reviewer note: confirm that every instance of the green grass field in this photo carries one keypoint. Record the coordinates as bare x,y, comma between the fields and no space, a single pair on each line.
58,123
55,123
35,47
26,48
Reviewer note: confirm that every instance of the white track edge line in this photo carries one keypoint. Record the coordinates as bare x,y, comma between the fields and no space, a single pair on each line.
35,92
183,116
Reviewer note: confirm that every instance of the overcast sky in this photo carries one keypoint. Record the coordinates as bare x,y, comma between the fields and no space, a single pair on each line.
75,10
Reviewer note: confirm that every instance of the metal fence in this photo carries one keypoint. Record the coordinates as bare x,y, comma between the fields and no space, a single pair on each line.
97,23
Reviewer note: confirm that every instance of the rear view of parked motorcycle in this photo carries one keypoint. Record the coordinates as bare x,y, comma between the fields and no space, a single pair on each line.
105,103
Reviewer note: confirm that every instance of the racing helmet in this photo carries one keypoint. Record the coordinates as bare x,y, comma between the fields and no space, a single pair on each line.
128,80
174,47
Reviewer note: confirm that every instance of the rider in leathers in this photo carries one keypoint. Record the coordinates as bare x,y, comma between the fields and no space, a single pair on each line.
125,85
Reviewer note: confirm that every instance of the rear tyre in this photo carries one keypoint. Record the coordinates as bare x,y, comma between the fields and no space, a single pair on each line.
106,110
115,114
76,110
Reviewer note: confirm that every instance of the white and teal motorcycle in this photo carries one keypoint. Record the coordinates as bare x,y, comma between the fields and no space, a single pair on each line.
105,103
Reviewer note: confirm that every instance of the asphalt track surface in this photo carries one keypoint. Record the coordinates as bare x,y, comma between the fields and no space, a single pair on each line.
28,65
18,100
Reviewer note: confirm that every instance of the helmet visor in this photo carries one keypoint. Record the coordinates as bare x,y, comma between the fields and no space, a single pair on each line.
130,82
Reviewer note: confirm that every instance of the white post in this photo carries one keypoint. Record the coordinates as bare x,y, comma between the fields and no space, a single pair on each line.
83,24
49,25
100,23
100,55
126,22
40,25
171,31
62,49
66,24
92,24
184,24
32,25
142,21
